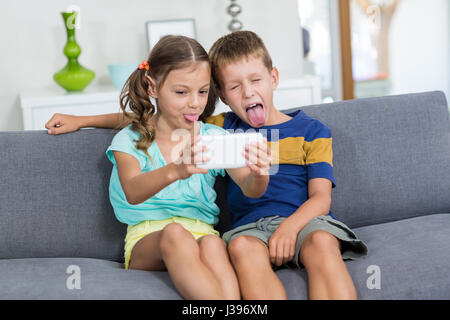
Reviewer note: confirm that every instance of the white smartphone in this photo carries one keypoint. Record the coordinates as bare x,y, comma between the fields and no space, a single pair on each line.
227,151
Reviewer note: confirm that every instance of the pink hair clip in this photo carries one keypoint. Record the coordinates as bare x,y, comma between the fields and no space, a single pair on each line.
144,65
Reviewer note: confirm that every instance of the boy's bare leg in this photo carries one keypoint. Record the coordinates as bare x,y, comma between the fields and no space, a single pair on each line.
213,253
328,277
177,249
251,260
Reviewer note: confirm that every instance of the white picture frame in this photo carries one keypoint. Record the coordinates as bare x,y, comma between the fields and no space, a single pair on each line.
155,30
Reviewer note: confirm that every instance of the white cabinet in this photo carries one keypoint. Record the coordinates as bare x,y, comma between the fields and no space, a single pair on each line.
38,107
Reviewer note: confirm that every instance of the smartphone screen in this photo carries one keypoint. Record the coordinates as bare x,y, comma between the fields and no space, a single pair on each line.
227,151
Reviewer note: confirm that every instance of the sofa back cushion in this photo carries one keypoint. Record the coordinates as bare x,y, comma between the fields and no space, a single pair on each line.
54,196
391,157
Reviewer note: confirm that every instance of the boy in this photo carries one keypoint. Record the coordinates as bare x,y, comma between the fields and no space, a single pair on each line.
291,222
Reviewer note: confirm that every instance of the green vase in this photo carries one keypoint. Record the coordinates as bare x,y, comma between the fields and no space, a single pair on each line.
73,77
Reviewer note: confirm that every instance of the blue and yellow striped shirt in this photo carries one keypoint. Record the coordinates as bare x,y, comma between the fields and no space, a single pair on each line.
301,150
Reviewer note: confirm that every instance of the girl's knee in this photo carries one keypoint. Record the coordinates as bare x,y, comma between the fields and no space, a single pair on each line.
174,236
212,247
211,242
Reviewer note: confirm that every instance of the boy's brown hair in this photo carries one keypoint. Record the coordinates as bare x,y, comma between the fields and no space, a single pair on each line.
234,47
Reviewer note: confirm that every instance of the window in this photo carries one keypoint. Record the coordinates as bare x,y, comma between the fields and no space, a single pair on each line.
320,29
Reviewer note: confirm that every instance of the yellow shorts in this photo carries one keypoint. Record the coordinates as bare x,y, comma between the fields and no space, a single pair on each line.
135,233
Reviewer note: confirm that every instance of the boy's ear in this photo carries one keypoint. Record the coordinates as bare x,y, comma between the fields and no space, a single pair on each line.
275,78
221,96
151,87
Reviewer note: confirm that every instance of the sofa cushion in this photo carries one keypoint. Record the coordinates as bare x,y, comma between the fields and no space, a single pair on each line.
391,156
46,278
413,257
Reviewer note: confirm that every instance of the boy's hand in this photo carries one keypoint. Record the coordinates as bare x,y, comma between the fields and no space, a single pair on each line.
258,158
63,123
282,244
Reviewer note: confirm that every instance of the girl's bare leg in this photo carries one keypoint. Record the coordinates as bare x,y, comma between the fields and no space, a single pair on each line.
175,248
214,255
146,253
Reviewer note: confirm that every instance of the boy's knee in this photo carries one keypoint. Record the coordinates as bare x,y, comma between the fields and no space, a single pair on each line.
244,247
316,245
321,241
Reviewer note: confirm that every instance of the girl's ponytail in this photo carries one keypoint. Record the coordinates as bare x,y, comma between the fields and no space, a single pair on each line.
135,95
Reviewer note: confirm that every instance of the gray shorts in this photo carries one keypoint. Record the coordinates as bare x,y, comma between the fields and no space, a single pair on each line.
351,247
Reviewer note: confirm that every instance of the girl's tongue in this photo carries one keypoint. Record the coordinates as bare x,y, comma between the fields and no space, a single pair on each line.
256,115
191,117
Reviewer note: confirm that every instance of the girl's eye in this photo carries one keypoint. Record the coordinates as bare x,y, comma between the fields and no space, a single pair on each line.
232,88
256,80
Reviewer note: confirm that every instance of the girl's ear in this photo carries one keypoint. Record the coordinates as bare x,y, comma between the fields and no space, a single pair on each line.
151,87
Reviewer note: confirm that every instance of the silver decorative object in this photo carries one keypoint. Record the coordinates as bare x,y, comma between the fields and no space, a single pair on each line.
234,10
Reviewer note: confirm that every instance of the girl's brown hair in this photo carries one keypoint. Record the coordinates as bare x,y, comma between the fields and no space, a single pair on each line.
170,53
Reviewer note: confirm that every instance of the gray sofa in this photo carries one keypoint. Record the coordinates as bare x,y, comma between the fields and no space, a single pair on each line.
392,169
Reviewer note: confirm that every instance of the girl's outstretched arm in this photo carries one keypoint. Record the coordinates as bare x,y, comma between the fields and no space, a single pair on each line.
138,186
64,123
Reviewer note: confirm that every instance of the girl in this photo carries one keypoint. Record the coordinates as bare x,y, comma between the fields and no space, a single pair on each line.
168,202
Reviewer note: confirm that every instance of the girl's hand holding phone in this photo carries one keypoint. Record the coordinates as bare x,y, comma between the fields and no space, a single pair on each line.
190,155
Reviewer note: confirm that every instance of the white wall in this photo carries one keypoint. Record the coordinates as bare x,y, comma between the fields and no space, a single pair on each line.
32,37
420,50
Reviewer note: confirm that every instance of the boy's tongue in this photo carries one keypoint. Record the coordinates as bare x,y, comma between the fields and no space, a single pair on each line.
256,116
